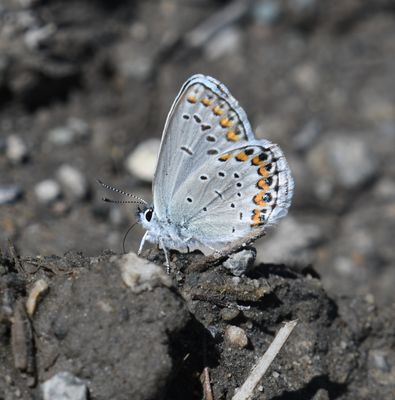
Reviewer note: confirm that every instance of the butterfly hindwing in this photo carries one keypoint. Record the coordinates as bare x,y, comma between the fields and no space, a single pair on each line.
235,194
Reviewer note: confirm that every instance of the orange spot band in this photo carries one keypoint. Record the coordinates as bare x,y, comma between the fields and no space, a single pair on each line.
232,136
225,122
224,157
258,199
263,171
262,184
242,156
206,102
217,110
256,216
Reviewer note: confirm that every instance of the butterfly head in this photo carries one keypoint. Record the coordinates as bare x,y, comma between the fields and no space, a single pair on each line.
146,216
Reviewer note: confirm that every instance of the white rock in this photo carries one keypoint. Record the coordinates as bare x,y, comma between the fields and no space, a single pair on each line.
239,263
16,149
236,336
76,129
64,386
9,194
73,181
142,161
47,191
140,274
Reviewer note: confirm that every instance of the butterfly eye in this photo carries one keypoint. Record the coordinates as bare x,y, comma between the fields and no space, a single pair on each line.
148,214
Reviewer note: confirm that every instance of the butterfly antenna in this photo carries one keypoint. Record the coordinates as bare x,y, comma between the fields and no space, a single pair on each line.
125,236
140,200
107,200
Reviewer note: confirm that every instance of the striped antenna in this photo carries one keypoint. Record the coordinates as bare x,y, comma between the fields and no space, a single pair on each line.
139,200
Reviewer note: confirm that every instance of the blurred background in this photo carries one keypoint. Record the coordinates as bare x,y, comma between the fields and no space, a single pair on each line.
85,87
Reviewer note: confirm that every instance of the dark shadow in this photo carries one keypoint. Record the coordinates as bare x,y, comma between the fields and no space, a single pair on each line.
191,350
264,270
334,390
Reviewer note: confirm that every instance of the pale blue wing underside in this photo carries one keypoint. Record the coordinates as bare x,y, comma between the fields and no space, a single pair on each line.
214,181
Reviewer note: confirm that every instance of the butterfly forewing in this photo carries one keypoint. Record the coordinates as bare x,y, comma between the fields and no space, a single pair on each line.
203,121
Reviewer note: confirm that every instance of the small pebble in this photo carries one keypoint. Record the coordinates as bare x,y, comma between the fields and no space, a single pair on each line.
75,130
73,181
9,194
64,386
61,136
140,274
236,336
239,263
16,149
142,161
379,360
229,314
47,191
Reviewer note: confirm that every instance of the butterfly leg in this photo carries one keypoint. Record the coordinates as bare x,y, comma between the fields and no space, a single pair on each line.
167,263
142,243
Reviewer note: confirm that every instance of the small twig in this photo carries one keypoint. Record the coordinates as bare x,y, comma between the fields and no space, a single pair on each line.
246,390
207,392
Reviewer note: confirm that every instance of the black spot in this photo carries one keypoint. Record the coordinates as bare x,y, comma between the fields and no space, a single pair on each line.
236,175
263,156
233,229
187,150
241,216
210,138
186,116
239,184
269,180
189,200
203,177
267,198
249,151
232,205
204,127
197,118
221,174
212,152
204,208
268,167
239,194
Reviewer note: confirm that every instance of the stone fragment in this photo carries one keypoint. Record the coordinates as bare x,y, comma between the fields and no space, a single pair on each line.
64,386
239,263
141,162
47,191
73,181
236,336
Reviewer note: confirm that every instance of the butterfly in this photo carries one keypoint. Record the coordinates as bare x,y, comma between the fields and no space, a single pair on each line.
216,187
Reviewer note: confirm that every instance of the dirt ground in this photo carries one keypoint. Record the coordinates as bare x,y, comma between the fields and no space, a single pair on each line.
82,83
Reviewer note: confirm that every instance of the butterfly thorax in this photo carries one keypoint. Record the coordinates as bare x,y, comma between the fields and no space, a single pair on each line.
163,232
